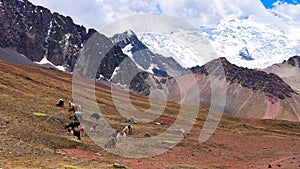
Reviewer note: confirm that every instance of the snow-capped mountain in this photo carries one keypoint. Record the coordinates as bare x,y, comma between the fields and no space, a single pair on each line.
144,58
168,46
246,41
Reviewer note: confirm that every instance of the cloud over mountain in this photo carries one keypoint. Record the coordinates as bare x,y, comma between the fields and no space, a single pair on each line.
289,10
98,13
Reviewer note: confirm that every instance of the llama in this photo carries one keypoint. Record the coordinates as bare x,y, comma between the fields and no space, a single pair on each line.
111,143
74,107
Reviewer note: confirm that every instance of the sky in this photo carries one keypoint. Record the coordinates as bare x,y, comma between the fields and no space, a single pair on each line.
98,13
270,3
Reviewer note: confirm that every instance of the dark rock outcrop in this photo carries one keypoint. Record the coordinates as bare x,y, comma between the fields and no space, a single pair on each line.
24,27
294,61
102,60
64,41
37,33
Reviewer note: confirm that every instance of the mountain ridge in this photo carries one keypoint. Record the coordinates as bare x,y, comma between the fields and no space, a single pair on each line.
249,78
241,91
146,59
288,70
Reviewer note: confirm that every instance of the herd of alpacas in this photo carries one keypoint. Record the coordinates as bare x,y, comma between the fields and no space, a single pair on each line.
78,130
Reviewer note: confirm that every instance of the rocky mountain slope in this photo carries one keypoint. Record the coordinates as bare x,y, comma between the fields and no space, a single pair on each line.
147,60
288,70
248,92
58,40
37,33
50,38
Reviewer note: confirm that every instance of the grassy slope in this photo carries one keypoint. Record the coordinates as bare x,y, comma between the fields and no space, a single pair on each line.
29,141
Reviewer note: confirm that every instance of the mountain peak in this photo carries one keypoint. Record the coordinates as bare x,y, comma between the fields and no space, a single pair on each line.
129,35
294,61
129,32
145,58
224,60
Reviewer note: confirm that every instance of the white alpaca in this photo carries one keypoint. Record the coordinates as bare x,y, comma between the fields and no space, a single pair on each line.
121,136
181,130
127,129
71,106
78,108
93,127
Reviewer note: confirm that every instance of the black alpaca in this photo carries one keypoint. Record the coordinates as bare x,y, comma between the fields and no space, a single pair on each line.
76,133
72,125
60,103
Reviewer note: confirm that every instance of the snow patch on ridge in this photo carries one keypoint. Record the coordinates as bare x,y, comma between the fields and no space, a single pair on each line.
46,61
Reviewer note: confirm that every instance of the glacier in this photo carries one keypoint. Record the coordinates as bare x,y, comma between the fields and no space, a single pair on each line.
267,40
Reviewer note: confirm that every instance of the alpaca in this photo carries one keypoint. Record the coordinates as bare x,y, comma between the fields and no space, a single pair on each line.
72,125
121,136
78,108
111,143
60,103
71,106
76,133
181,130
128,129
93,127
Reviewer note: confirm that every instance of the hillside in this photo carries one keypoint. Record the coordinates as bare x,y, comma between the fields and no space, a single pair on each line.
246,92
30,140
288,70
